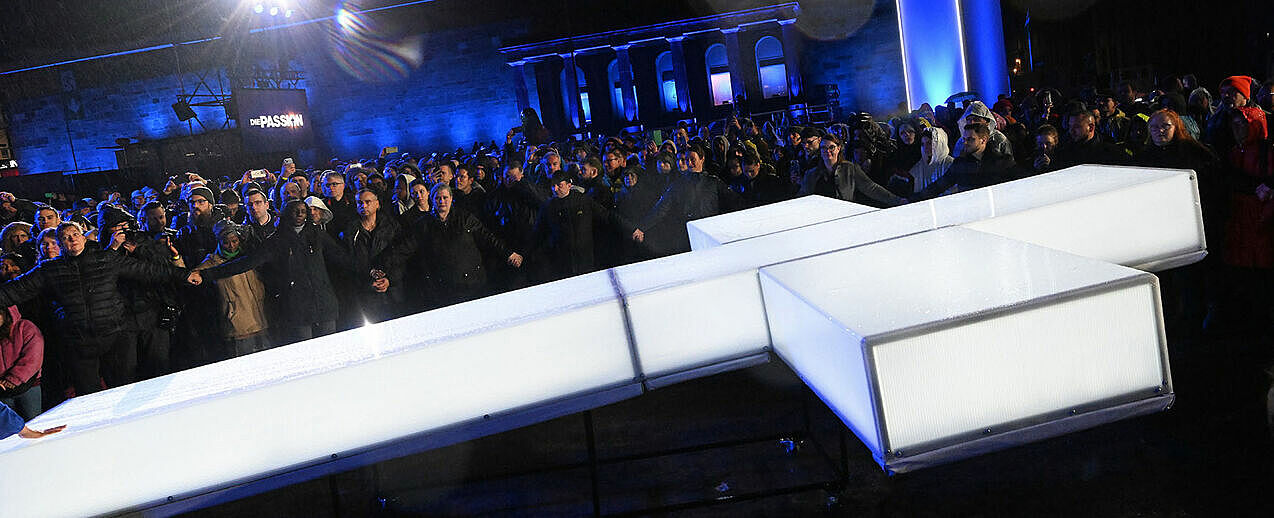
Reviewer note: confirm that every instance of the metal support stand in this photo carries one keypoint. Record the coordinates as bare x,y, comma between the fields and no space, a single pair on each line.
592,462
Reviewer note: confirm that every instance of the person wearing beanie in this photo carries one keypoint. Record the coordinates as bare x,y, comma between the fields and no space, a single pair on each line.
240,297
233,206
1236,93
195,239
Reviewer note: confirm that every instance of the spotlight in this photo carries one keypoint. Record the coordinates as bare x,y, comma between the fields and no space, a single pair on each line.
259,8
287,14
274,11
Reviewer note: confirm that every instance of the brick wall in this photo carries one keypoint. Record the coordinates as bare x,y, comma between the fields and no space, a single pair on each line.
139,108
460,93
866,66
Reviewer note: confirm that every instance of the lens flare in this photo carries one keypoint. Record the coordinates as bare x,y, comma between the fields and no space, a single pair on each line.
368,53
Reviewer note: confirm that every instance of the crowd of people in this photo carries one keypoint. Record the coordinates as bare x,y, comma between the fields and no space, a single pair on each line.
112,289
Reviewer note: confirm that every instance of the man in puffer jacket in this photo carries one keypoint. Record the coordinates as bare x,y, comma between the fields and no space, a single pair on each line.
21,355
83,286
242,296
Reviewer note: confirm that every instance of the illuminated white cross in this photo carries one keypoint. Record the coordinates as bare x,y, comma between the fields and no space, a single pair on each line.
936,330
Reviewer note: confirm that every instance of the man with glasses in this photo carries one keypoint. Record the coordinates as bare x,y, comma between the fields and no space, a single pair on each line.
341,205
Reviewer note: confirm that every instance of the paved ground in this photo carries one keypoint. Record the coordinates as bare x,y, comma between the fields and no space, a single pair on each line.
758,443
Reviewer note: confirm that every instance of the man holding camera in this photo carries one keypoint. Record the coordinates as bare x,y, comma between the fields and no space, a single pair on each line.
82,285
153,308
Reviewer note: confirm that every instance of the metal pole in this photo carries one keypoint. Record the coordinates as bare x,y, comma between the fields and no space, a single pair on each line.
592,461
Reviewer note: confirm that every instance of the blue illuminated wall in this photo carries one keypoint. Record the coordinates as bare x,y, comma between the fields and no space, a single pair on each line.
462,89
139,108
865,66
984,48
932,50
462,92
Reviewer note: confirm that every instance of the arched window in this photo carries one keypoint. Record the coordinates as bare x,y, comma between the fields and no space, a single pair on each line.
770,68
719,74
583,98
617,92
667,80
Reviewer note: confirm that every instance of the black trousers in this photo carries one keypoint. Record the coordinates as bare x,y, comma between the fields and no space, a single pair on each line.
111,358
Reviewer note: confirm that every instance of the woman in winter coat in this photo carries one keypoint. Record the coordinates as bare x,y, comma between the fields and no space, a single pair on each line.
1172,146
836,177
1248,248
21,356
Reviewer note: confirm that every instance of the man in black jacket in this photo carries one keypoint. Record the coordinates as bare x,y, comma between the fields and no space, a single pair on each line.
977,166
1085,147
301,303
451,245
690,196
510,214
369,235
83,286
565,230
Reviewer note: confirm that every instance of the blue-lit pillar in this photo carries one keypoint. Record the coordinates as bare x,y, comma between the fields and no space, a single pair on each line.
984,48
932,50
626,82
679,70
792,49
571,102
519,84
738,89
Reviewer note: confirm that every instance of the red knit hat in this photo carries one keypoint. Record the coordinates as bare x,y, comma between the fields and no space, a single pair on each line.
1241,83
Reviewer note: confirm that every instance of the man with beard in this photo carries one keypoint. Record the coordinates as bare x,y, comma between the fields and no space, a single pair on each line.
195,240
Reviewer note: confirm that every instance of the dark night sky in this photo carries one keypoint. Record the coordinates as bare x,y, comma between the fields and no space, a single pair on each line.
1075,41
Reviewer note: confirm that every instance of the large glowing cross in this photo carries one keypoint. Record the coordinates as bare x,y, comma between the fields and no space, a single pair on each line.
936,330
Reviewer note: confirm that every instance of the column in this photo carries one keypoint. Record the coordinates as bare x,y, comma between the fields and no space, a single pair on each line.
679,70
571,102
793,47
519,84
625,83
732,52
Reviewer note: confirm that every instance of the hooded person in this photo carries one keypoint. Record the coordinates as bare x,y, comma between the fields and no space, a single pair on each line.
935,158
241,297
320,215
978,113
402,200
